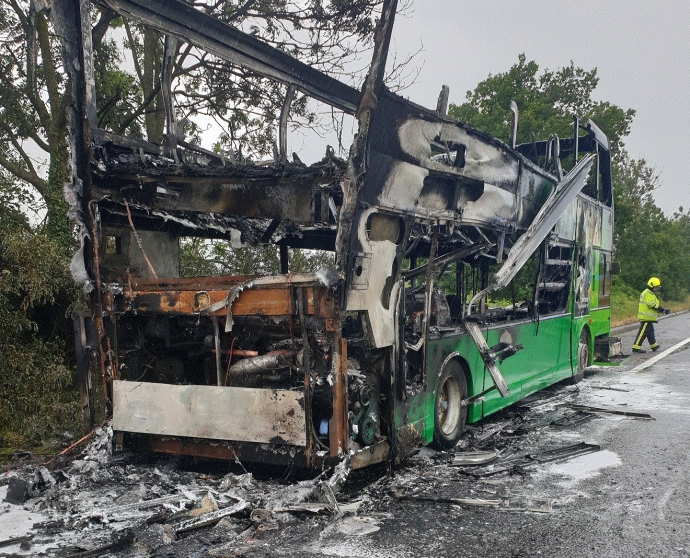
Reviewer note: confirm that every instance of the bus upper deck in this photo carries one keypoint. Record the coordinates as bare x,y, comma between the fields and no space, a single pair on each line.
465,272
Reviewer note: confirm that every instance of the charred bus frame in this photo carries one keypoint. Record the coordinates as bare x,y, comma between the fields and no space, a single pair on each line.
429,220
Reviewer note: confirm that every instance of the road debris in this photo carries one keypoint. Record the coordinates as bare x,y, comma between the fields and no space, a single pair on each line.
543,508
572,419
18,491
210,518
609,388
518,464
477,502
352,526
160,506
485,433
612,411
16,540
474,458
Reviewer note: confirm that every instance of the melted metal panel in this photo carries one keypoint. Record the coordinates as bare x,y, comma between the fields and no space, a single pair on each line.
268,416
543,223
440,168
379,296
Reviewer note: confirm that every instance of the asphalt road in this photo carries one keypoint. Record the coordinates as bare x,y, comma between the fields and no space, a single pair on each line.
630,499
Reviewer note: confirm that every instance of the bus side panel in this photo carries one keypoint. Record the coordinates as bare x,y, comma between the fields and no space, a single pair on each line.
477,381
544,357
414,419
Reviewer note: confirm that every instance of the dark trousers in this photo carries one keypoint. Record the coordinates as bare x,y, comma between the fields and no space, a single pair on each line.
646,331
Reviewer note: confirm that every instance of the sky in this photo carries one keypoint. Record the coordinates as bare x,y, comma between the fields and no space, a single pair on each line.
640,49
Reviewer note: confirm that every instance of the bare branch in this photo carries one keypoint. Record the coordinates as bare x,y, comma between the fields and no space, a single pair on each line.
18,147
140,109
49,69
132,48
21,173
102,25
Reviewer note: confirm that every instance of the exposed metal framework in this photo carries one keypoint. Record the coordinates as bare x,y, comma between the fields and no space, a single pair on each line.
362,358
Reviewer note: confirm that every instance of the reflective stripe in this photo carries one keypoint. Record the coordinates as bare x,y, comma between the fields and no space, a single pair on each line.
647,307
640,336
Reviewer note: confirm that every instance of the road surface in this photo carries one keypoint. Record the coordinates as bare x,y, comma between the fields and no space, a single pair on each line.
630,499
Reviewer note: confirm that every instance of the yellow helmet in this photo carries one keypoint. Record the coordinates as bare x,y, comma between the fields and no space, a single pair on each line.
654,282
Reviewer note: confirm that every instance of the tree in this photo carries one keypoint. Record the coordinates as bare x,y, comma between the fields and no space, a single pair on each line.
244,106
38,400
634,184
32,113
14,198
200,257
646,242
546,104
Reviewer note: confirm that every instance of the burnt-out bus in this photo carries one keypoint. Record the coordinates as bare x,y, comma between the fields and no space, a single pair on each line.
463,273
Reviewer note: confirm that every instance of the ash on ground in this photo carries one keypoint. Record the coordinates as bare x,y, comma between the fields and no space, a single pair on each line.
126,504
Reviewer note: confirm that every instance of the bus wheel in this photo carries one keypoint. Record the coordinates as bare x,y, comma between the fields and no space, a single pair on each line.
582,357
450,414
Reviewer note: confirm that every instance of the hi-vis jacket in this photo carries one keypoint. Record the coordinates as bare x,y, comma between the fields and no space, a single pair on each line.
648,307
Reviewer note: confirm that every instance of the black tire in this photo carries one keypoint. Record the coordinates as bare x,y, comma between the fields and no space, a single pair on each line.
582,357
450,415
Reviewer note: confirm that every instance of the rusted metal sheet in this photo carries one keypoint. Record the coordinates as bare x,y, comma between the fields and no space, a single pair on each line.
263,302
338,422
224,282
229,451
244,414
377,453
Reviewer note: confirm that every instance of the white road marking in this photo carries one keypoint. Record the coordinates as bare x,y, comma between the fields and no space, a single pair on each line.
657,358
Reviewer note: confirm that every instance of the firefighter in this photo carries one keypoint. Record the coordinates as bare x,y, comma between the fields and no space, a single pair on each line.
647,311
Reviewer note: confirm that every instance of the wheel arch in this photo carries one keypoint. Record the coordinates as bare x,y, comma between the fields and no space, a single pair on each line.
464,367
590,341
449,394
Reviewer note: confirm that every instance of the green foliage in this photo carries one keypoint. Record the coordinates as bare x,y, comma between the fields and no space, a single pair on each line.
14,198
199,257
646,242
305,261
38,400
624,301
546,103
32,113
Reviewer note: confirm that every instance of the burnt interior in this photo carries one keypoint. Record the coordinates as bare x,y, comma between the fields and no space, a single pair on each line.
425,233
